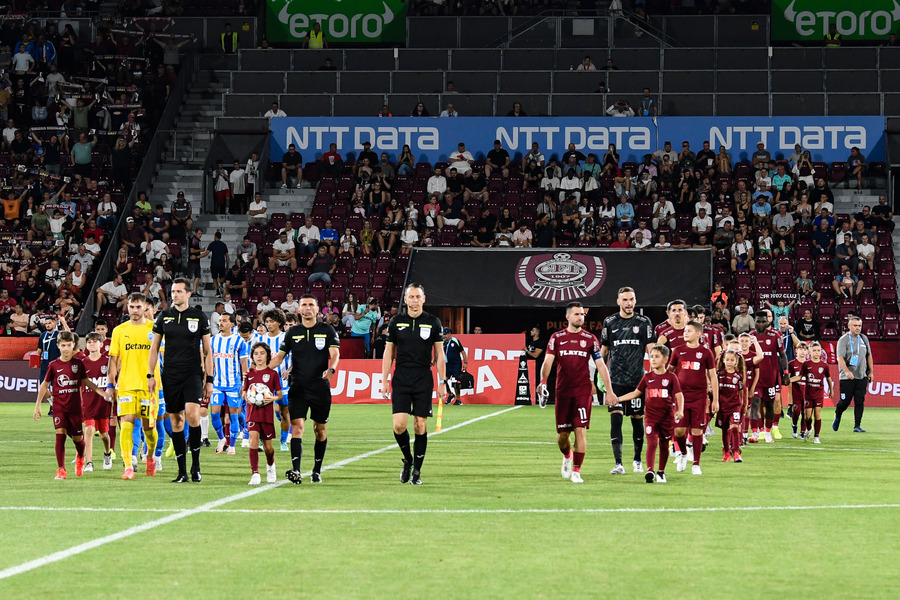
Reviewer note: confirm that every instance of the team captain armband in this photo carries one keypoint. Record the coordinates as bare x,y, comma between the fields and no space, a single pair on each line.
596,355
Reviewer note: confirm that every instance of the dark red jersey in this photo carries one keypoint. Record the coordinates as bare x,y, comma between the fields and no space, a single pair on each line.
65,378
730,387
659,393
573,354
674,337
270,379
770,367
95,370
815,374
798,388
712,337
691,365
751,368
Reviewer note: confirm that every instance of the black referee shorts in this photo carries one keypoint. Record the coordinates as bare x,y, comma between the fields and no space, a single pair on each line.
313,398
181,390
411,392
635,408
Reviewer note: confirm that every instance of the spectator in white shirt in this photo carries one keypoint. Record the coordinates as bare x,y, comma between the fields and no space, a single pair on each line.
237,180
290,306
866,252
257,211
663,213
437,184
701,225
113,293
462,160
640,242
308,238
275,111
449,111
522,237
264,305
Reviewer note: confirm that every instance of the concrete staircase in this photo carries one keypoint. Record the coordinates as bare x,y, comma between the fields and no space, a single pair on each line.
181,169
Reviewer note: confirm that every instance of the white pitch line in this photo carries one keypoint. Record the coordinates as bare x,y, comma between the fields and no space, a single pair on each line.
465,511
209,506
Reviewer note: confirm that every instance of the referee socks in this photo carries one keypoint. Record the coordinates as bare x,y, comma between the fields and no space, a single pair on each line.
403,442
180,451
420,443
296,453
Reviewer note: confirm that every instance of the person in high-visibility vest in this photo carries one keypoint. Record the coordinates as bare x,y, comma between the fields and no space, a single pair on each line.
229,40
315,38
833,39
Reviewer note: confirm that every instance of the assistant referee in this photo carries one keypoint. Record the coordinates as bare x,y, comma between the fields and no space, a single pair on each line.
416,340
625,337
315,352
184,329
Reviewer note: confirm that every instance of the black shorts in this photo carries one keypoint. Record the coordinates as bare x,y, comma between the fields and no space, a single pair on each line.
180,390
193,269
218,272
312,398
635,408
414,402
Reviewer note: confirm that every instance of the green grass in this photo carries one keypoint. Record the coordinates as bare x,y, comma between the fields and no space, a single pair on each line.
498,469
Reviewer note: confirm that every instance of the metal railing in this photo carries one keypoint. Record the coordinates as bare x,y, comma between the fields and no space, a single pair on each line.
189,140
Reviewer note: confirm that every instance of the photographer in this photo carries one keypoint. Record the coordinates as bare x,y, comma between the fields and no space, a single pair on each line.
620,109
366,316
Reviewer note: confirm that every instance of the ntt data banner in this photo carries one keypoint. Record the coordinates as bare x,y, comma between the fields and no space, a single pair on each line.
828,139
545,277
343,21
810,20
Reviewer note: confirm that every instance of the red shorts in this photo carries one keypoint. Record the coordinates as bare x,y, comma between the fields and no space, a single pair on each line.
572,412
694,417
661,424
222,196
810,402
797,399
101,425
71,422
266,430
729,415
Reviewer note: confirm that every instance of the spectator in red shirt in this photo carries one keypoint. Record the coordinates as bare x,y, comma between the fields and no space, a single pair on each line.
621,241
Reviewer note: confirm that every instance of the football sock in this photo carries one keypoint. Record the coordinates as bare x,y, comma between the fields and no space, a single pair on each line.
284,436
60,450
152,438
217,425
126,440
204,427
195,444
858,408
234,430
615,434
735,439
420,443
697,440
112,435
160,438
637,436
319,450
270,456
818,426
769,422
403,442
726,439
79,448
296,453
180,445
254,460
652,443
577,461
137,440
663,456
681,444
795,418
804,426
778,418
278,415
242,420
167,425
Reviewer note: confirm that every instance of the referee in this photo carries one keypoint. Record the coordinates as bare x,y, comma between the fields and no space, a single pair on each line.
625,337
315,351
184,328
416,340
854,358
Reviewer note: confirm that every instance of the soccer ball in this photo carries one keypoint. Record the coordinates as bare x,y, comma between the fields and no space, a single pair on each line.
257,394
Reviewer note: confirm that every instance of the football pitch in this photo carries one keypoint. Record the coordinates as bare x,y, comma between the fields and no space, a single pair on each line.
494,519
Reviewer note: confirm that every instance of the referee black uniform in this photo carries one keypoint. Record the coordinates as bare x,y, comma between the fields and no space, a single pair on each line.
414,340
309,393
182,374
626,340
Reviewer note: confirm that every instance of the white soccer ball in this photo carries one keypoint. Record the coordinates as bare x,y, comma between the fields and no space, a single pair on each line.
257,393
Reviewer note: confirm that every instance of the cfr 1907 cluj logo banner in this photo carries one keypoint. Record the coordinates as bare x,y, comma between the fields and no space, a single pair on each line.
560,277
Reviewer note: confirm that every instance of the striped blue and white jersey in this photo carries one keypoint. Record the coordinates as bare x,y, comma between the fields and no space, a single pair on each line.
228,353
274,344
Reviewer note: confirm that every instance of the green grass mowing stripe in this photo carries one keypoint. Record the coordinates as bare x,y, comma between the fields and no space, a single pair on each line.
96,543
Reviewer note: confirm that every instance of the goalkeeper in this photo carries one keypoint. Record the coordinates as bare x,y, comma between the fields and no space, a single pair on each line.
315,352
